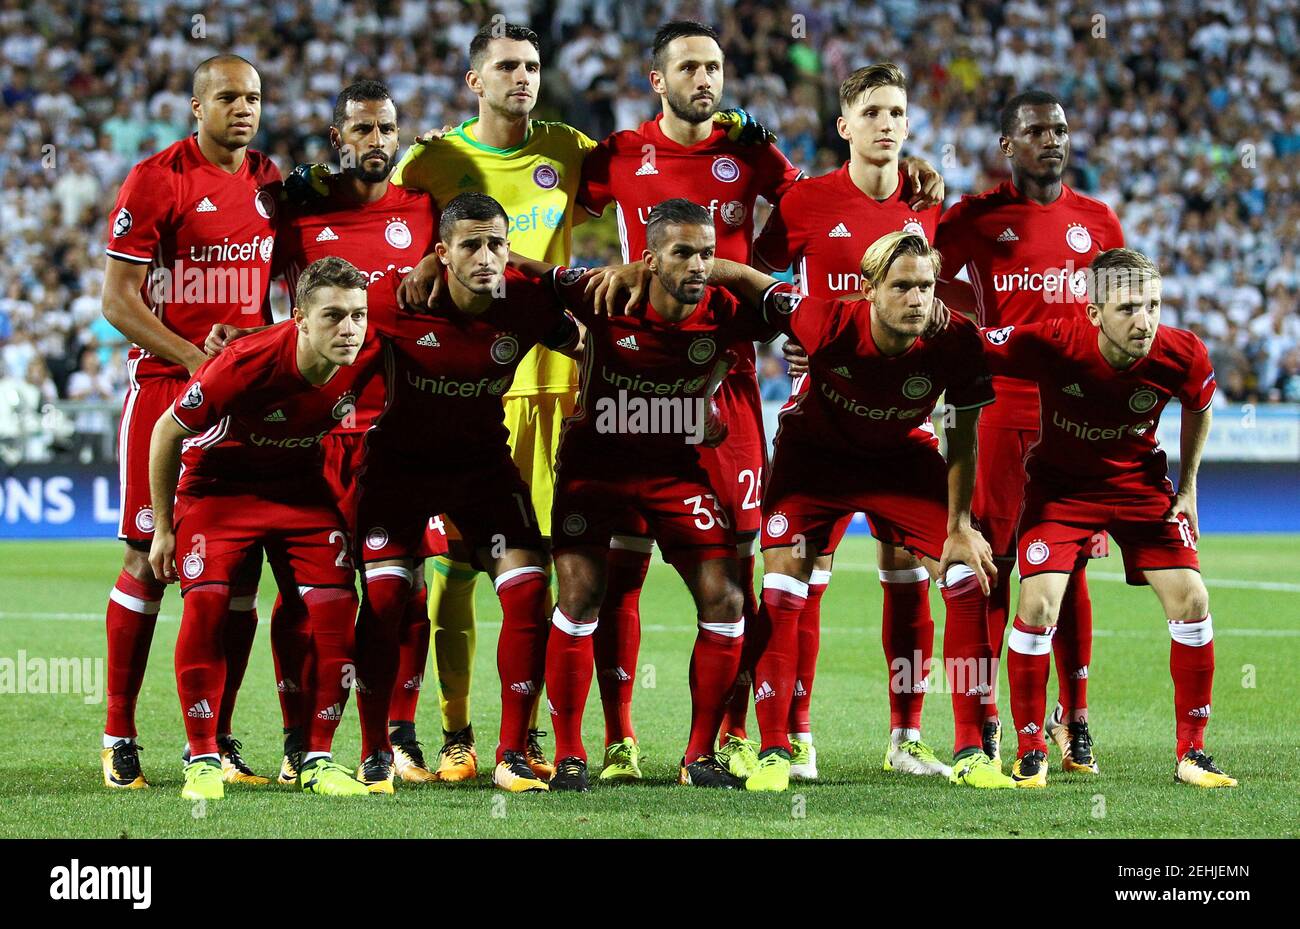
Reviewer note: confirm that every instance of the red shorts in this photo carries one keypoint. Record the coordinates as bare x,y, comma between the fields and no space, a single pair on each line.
146,401
1059,527
217,535
905,497
343,452
681,513
1000,484
395,503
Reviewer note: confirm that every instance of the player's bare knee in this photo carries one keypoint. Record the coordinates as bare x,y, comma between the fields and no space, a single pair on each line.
1195,600
721,603
136,563
1038,609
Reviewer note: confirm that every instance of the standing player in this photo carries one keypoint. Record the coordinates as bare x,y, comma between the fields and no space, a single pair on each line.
1097,467
1025,245
860,440
440,447
823,226
189,245
251,421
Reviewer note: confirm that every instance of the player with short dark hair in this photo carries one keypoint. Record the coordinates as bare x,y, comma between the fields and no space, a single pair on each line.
248,427
1097,467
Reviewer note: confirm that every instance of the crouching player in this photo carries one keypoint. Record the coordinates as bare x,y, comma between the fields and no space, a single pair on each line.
1097,467
440,446
858,439
249,425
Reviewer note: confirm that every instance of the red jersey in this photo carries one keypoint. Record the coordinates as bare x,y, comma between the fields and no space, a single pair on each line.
207,236
825,224
447,371
259,423
645,380
1099,422
861,402
1026,263
391,234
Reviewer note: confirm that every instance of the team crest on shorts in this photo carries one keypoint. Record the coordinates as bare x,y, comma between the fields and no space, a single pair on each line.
264,204
725,169
1142,400
376,538
1037,552
999,336
916,387
122,223
267,247
546,177
505,349
777,525
574,524
570,275
397,233
701,350
144,519
193,398
733,212
1078,238
192,566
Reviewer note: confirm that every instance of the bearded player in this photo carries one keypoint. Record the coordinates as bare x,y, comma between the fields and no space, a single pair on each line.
1097,467
1025,245
194,219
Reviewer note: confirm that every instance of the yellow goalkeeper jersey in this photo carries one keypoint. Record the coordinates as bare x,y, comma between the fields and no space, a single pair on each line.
537,184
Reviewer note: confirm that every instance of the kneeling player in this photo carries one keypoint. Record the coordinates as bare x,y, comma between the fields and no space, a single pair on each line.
1097,467
858,439
441,447
253,476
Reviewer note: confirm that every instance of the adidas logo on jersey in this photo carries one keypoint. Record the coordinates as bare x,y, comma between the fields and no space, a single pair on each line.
327,235
842,371
331,713
205,206
629,342
840,232
764,691
1008,236
527,688
428,340
1074,390
276,417
646,170
203,710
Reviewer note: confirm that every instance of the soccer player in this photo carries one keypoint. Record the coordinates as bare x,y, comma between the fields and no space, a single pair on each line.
249,426
1097,466
822,226
440,447
189,245
861,440
1025,245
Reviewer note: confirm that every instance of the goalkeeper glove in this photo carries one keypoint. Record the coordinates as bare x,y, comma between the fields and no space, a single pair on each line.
743,128
306,183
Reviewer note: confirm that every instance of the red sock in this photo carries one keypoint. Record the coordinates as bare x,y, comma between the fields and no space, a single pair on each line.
784,599
521,652
1191,664
714,665
966,655
241,629
133,607
412,656
617,639
201,664
809,644
1028,665
736,711
386,593
999,614
331,621
290,648
907,633
1072,645
569,665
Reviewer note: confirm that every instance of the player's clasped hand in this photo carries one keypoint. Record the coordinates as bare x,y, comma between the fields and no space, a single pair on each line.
969,547
607,286
796,359
162,555
218,338
926,183
1185,506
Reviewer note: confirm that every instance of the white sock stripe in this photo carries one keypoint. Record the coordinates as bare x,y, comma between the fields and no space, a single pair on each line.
819,576
632,543
517,572
904,576
1193,634
567,626
390,571
732,630
135,604
745,549
956,574
790,585
243,604
1027,643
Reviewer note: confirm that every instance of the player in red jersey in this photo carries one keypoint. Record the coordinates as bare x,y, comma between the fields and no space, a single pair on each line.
189,245
1025,246
630,451
1097,466
822,226
861,439
440,447
248,428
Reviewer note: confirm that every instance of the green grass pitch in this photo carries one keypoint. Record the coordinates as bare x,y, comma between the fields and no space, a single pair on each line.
53,604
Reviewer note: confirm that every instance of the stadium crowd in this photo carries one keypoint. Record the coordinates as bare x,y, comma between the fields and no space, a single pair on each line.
1188,125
